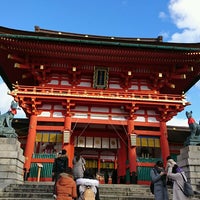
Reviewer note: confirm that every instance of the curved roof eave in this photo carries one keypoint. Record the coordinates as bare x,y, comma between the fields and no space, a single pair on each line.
55,36
106,43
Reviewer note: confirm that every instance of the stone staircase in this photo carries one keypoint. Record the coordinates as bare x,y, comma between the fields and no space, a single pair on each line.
125,192
43,191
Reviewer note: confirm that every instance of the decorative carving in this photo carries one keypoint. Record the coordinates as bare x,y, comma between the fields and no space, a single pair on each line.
6,129
194,138
74,76
126,79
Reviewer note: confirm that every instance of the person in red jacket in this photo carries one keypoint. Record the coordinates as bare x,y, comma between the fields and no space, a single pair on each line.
66,186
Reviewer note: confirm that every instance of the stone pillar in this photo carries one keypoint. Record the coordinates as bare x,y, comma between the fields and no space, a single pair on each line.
11,162
189,161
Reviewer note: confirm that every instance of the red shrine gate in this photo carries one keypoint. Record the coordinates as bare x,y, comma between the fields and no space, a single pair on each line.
108,98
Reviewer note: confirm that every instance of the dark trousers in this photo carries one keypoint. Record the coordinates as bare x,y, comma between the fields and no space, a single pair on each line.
55,178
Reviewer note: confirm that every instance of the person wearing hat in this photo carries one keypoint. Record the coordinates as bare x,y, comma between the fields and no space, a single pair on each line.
178,176
158,177
170,162
60,165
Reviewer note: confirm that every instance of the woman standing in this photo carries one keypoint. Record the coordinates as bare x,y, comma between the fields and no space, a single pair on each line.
177,175
158,177
78,166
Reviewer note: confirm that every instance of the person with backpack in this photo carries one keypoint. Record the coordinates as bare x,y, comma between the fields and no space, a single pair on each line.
60,165
158,177
178,176
170,162
87,187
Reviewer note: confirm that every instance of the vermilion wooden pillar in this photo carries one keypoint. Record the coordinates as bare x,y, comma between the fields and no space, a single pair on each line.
164,141
69,146
30,142
131,149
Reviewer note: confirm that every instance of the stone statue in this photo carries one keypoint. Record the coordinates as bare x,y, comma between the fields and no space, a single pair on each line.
6,129
194,138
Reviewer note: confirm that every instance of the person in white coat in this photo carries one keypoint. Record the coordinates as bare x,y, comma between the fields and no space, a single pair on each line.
174,173
88,180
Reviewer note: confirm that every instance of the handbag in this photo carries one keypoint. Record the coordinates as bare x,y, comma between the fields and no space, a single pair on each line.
169,182
187,188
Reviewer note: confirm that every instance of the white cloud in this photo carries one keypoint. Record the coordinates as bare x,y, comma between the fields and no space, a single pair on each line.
178,122
6,100
186,16
187,36
162,15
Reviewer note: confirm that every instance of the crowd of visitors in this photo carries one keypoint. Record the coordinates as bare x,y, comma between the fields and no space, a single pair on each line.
163,178
73,183
81,183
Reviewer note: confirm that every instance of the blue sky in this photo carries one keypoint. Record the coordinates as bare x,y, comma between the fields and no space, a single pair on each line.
175,20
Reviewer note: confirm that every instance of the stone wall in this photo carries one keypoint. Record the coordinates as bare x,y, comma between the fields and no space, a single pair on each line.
11,161
189,161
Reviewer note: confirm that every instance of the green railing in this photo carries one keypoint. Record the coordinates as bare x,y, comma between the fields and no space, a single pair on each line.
46,171
143,172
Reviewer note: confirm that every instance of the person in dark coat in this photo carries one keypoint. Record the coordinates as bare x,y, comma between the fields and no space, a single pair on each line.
106,176
60,165
158,177
114,176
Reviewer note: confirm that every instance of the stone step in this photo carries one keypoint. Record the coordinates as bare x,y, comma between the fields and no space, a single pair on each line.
11,198
123,189
26,198
39,190
114,197
43,191
29,195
